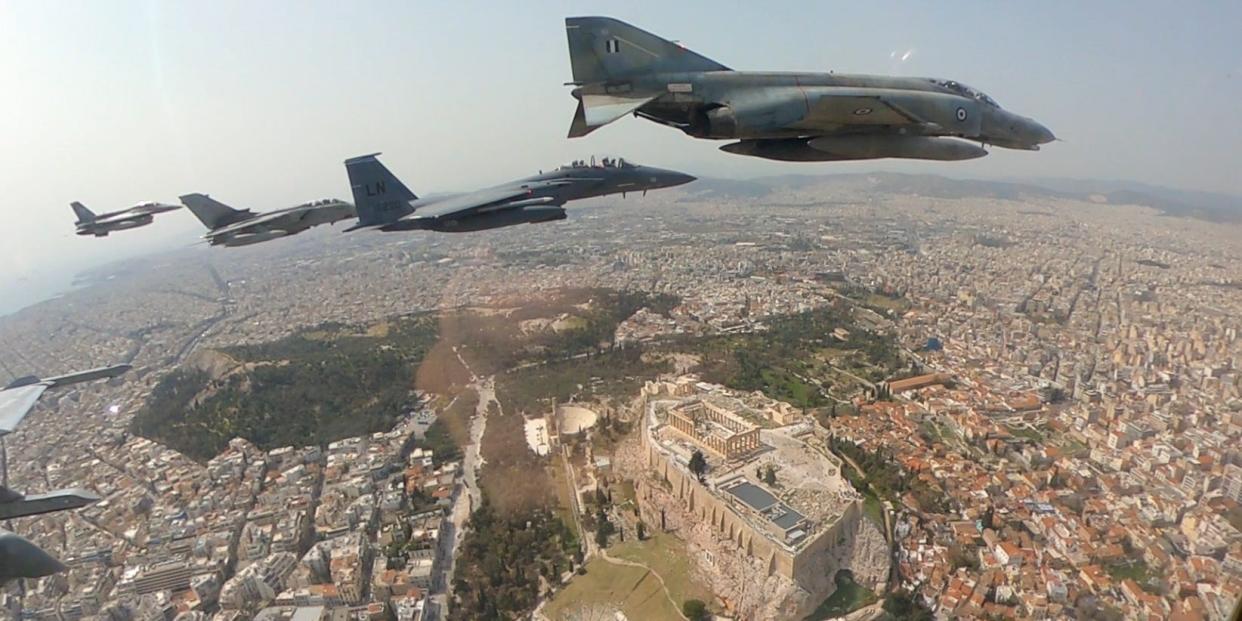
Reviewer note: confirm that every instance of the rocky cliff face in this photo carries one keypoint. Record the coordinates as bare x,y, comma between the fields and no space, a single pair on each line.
859,547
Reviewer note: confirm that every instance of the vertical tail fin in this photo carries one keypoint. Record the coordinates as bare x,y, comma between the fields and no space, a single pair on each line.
603,49
379,195
211,212
84,214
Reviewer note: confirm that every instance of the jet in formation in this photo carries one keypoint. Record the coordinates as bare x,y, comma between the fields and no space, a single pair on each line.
385,203
100,225
20,558
619,69
227,226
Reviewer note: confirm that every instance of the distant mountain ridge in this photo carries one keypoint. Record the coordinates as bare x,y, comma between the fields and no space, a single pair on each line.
1210,206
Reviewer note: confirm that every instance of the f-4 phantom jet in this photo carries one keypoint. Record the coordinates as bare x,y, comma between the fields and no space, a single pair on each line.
99,225
388,205
242,227
619,69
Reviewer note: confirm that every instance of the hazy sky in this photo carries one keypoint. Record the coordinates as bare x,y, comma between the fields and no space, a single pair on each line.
257,103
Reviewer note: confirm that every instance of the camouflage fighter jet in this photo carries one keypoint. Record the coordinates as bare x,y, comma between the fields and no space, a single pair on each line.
619,69
242,227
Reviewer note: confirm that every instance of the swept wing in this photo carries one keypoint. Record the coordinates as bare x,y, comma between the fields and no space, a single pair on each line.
862,107
137,211
275,221
491,199
15,403
857,109
19,397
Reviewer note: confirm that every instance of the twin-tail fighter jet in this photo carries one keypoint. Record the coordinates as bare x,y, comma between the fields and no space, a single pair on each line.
241,227
99,225
385,203
619,69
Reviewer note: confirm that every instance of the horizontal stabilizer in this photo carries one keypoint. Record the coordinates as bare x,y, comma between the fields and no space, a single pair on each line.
115,370
19,397
595,111
38,504
15,403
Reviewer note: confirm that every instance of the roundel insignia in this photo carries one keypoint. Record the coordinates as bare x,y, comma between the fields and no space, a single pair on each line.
961,114
862,112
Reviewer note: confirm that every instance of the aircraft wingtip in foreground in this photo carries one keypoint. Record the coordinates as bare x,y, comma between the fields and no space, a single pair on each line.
99,225
620,69
387,204
20,558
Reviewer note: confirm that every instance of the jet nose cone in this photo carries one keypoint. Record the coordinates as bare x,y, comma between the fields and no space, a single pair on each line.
23,559
676,179
1041,134
664,178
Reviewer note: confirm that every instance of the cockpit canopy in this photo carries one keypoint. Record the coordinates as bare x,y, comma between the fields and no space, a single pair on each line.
965,91
604,162
322,201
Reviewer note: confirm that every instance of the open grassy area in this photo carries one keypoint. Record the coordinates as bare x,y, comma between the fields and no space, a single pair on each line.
1234,516
879,302
628,495
874,510
848,597
1029,433
1073,448
935,431
666,555
1135,570
633,590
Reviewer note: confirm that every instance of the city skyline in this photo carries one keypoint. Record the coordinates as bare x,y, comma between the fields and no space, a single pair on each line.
263,104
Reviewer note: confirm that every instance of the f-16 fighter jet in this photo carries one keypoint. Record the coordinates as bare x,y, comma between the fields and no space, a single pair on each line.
99,225
619,69
18,557
242,227
387,204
